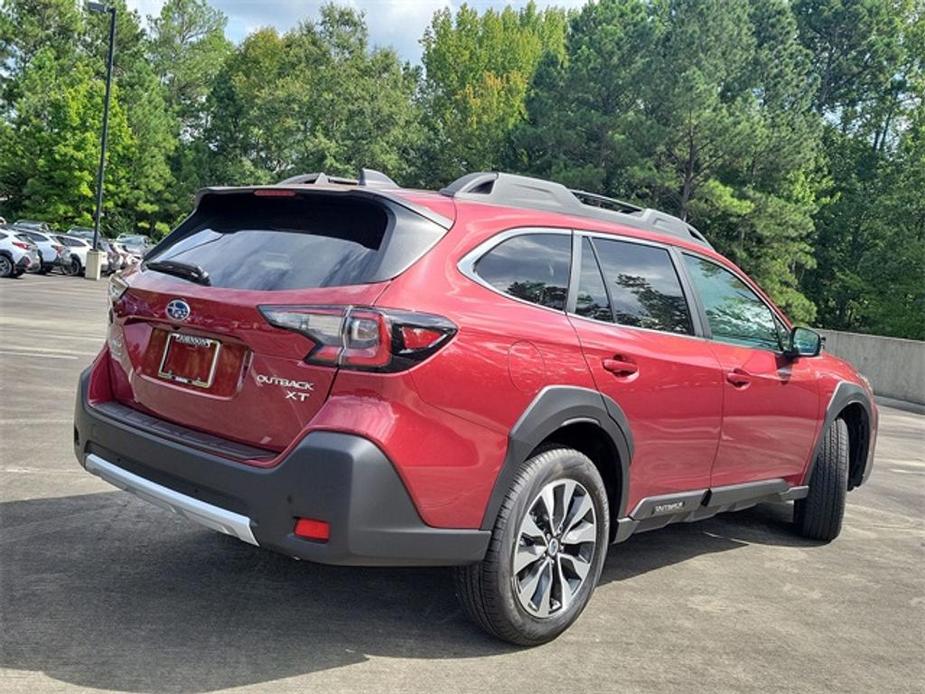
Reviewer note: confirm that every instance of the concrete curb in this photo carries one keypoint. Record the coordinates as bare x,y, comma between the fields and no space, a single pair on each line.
915,407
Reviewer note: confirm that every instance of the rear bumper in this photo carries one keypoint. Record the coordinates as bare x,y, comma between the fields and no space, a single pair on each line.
28,263
339,478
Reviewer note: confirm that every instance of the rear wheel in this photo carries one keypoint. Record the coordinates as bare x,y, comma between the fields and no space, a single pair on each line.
6,266
819,515
72,267
546,553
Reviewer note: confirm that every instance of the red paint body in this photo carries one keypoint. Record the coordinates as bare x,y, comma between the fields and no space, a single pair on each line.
444,423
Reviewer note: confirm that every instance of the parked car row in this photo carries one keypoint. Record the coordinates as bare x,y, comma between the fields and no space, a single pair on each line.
33,246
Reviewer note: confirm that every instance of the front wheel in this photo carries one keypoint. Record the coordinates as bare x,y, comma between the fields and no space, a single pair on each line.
819,515
546,552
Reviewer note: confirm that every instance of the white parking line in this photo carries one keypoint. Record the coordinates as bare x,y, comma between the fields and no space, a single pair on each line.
40,351
36,421
7,353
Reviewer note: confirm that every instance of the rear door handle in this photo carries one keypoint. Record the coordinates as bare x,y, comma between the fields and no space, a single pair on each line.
739,378
619,366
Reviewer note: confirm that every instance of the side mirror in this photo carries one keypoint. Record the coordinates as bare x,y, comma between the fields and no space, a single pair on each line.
803,343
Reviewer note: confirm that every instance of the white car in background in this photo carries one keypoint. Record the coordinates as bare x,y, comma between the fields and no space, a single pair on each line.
50,249
74,258
128,259
17,256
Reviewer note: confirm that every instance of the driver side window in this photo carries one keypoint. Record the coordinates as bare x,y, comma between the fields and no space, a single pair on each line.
735,313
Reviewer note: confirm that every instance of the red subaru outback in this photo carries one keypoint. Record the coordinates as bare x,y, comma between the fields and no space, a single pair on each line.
506,376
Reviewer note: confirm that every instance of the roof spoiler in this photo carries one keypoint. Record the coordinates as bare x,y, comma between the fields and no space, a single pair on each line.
368,178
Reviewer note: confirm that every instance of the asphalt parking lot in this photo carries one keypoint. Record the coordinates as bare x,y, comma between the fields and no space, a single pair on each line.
99,590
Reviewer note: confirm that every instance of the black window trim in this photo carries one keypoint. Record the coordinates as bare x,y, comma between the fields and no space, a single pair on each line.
468,262
698,322
578,239
708,333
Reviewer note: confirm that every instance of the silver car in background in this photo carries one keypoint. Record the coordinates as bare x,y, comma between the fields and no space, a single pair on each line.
17,255
50,249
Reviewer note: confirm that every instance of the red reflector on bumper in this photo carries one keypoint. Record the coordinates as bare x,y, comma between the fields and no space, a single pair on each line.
312,529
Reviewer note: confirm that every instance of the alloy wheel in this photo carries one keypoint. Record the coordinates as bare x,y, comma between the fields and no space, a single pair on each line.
555,548
6,267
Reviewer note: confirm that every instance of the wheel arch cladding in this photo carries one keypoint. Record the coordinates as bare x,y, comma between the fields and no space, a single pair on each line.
851,403
858,420
579,418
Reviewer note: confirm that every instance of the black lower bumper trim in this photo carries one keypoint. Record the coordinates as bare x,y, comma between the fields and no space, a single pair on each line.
339,478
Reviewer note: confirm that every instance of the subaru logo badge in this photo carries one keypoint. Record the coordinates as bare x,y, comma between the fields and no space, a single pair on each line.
178,309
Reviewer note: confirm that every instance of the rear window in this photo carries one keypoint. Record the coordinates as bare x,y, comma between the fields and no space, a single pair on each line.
246,241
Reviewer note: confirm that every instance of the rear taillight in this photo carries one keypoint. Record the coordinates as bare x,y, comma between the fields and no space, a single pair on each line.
361,338
20,244
58,249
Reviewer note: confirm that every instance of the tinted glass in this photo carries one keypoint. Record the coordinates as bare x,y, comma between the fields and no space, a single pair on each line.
277,243
644,287
592,301
734,311
532,267
73,243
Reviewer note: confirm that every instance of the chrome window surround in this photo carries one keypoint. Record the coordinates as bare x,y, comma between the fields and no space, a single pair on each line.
467,264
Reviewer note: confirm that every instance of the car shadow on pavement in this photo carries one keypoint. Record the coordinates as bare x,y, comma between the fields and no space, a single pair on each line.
105,591
765,524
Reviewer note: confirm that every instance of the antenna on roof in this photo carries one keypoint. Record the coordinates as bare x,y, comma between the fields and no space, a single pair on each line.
375,179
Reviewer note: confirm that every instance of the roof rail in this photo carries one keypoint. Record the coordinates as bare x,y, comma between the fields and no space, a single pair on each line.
536,193
368,178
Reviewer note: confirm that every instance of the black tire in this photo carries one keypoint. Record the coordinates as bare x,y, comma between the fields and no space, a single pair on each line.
819,515
487,590
73,267
6,267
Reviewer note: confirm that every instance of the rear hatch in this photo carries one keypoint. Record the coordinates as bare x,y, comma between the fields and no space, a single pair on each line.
204,329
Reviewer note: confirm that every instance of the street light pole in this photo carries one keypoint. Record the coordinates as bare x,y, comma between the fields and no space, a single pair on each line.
94,273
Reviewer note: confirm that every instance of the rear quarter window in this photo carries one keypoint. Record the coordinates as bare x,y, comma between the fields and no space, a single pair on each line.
533,267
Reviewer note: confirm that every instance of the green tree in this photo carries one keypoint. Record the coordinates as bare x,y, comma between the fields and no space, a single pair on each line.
27,27
478,69
49,152
53,89
141,178
187,49
315,99
869,243
699,107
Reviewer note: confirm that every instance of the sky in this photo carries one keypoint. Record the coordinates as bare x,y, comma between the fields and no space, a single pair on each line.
396,23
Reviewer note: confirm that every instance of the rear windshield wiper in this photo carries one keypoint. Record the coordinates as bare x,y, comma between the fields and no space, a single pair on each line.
187,271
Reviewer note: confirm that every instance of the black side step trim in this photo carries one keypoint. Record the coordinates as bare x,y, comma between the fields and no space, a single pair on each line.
654,512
